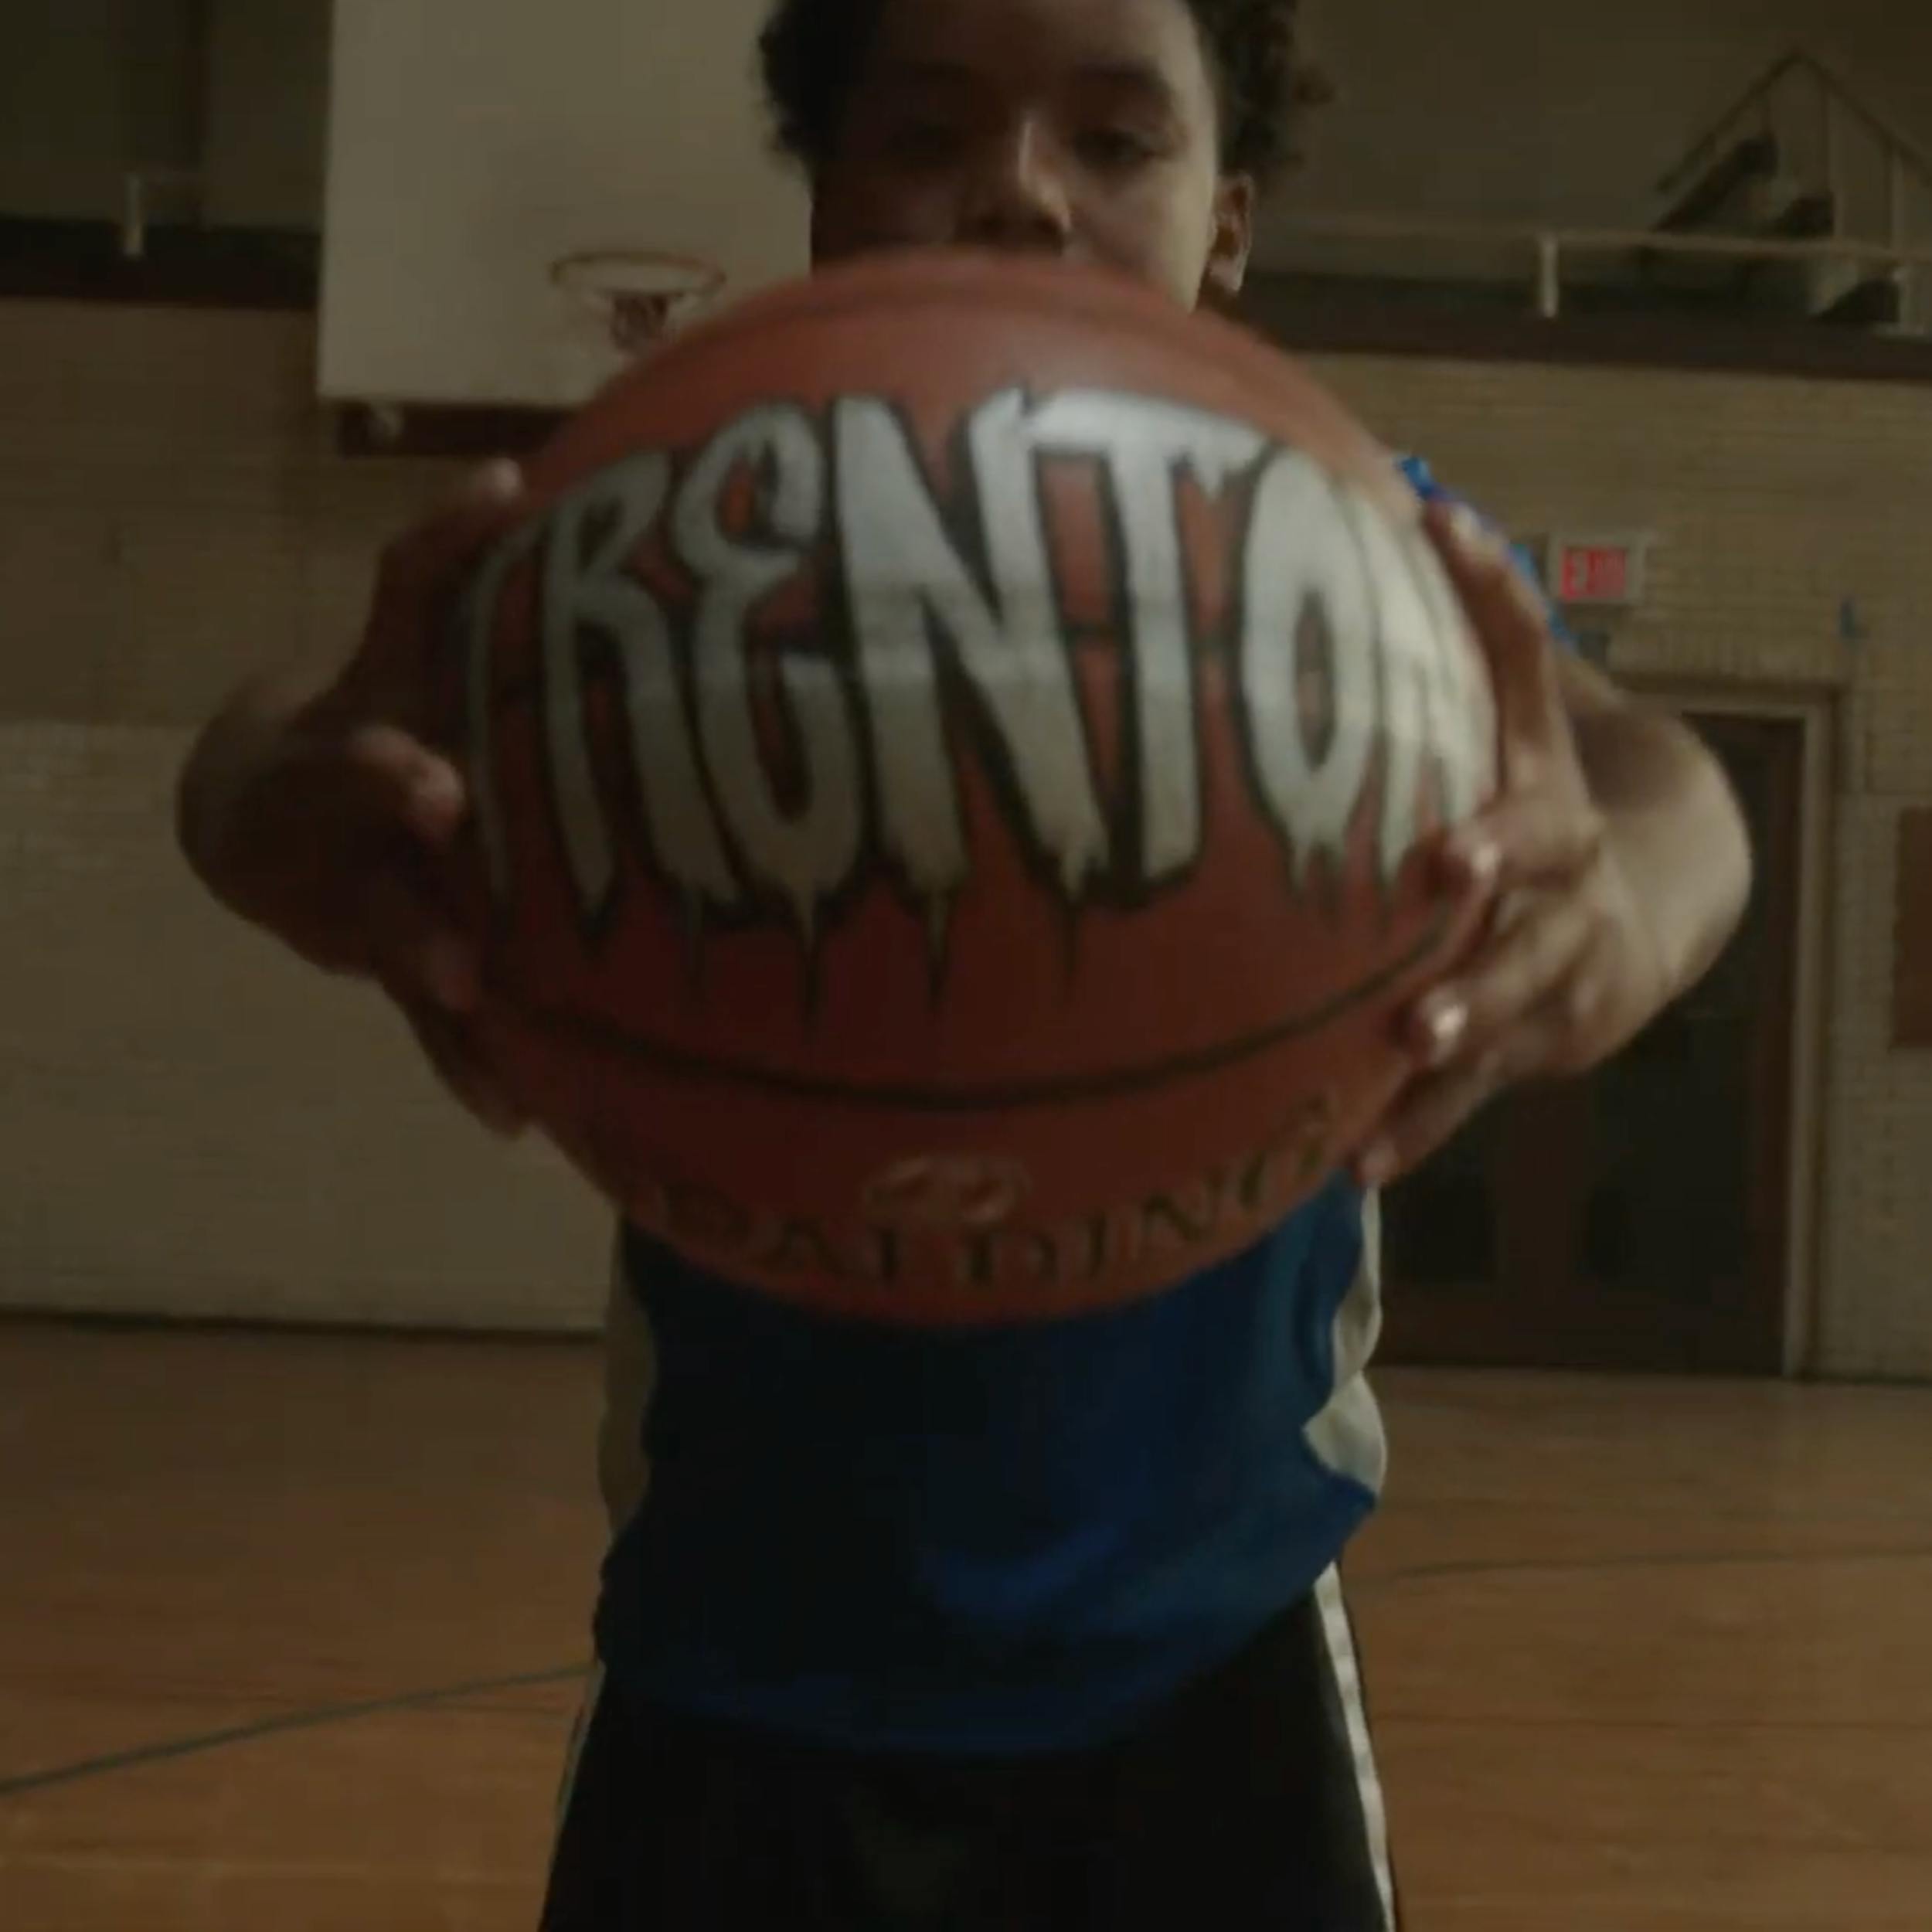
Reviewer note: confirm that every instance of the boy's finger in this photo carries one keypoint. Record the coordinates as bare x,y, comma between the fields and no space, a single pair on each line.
1514,629
419,563
397,783
1427,1117
1523,968
1529,838
462,1070
416,583
414,949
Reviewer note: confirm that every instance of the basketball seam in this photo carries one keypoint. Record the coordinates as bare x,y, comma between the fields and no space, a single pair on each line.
921,1098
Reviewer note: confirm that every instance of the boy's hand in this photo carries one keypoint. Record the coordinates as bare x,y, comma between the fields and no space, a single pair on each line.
330,826
1570,968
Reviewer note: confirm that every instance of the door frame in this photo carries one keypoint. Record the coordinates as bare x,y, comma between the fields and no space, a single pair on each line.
1816,709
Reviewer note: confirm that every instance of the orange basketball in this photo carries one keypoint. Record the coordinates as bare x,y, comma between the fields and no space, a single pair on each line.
955,748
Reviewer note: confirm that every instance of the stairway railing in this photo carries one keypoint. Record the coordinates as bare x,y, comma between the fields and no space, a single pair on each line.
1903,157
1758,98
139,189
1546,251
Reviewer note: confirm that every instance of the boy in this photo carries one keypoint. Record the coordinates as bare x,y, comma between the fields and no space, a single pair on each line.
1033,1627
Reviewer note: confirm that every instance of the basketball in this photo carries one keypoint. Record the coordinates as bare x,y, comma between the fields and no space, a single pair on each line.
955,750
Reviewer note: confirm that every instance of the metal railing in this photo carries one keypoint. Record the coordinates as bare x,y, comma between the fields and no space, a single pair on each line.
139,189
1835,101
1546,250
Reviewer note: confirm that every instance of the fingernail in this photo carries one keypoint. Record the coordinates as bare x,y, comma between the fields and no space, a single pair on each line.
1480,857
1443,1019
1584,1002
434,793
1476,540
500,481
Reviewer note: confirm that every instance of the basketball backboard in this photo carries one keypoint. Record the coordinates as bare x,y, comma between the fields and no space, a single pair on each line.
475,145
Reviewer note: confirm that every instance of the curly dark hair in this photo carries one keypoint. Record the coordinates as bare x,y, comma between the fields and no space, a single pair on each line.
810,51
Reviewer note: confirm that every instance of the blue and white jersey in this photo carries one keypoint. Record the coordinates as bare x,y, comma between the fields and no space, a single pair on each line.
1005,1540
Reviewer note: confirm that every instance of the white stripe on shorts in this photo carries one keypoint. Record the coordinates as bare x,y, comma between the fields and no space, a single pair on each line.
1348,1676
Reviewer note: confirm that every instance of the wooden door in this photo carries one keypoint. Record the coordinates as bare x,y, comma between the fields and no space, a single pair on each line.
1639,1219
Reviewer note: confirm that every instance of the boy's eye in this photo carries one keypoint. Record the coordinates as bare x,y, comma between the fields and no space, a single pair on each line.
1114,150
926,144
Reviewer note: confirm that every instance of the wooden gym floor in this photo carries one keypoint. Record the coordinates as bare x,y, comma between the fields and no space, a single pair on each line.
1646,1657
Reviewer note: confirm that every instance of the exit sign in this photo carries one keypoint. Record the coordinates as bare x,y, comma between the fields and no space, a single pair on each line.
1598,572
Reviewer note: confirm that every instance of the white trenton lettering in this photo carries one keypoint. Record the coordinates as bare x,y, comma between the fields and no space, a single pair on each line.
1466,722
1147,445
593,537
806,854
905,577
1425,719
1305,589
594,589
1411,702
476,625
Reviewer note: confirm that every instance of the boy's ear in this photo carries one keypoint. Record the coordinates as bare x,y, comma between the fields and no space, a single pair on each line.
1227,267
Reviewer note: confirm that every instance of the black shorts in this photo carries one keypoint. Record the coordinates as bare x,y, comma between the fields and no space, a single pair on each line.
1250,1801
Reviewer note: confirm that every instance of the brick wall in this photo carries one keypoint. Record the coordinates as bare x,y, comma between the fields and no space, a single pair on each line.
189,1123
1777,502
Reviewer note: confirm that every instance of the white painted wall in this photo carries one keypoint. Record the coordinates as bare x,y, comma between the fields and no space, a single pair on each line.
473,142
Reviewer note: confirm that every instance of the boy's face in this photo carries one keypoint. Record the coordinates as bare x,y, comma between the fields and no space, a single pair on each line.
1089,129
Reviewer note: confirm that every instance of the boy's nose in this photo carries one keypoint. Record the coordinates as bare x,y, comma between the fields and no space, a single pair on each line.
1018,197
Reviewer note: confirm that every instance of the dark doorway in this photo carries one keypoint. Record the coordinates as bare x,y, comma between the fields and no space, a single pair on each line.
1638,1219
